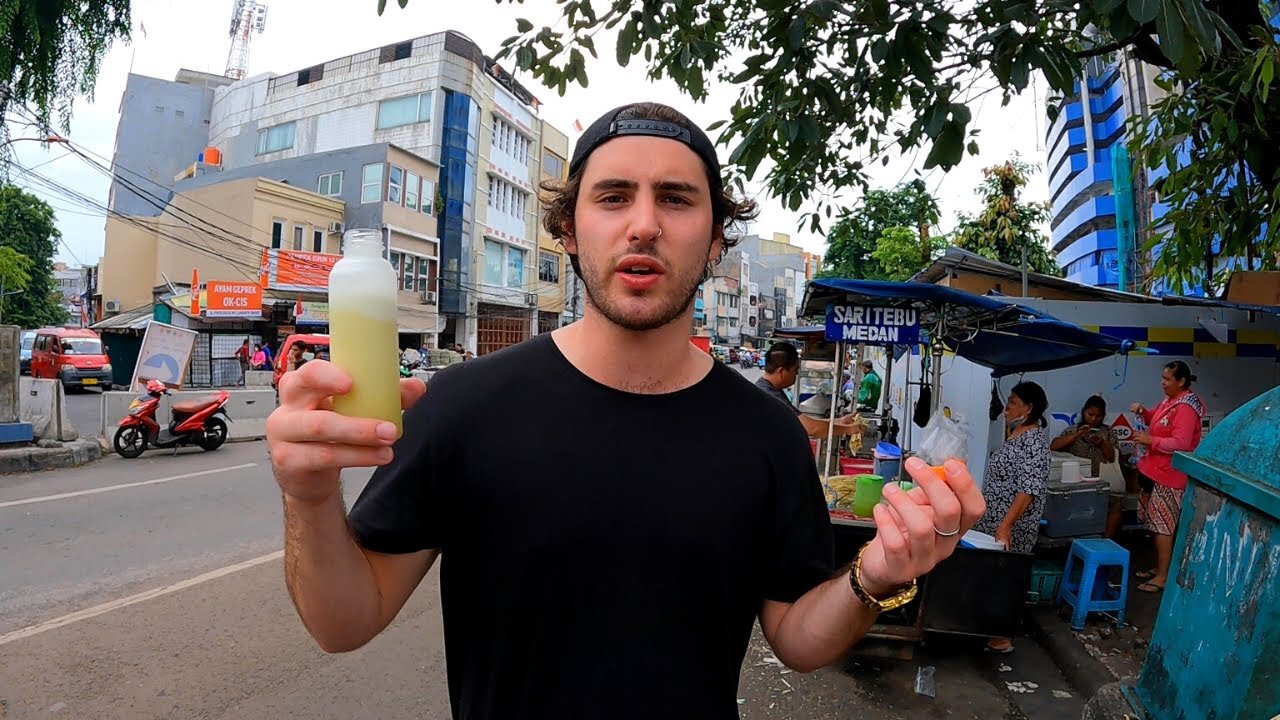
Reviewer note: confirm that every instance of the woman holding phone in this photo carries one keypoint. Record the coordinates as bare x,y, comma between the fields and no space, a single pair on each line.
1093,440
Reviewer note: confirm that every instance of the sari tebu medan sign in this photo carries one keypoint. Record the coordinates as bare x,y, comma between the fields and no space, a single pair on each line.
873,325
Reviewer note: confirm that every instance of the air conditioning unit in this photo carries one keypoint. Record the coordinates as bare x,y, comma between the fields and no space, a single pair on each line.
337,228
111,306
531,299
428,297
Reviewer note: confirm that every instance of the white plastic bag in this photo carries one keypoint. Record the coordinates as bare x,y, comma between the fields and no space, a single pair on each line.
1110,472
942,438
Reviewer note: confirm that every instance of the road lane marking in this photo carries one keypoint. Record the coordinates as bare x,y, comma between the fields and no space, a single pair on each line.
110,488
124,602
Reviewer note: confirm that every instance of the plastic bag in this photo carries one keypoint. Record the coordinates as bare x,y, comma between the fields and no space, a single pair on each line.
1110,472
942,438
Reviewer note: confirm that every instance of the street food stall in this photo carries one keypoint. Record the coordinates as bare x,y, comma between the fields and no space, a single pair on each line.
983,588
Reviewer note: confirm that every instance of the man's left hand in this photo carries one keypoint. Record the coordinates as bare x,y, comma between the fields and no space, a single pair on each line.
910,529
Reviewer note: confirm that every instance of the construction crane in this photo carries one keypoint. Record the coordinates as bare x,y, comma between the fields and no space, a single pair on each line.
247,17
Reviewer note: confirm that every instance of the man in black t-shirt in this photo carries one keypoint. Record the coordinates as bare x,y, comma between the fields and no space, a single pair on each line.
781,367
599,562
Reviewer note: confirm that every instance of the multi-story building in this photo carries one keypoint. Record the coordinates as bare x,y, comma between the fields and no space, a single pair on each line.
1081,142
553,265
427,140
780,271
723,300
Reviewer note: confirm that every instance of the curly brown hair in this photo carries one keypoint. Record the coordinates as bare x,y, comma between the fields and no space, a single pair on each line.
728,213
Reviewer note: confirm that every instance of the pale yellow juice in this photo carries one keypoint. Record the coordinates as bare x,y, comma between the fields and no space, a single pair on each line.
366,347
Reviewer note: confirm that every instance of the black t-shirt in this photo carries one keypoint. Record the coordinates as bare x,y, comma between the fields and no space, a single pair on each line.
603,554
773,392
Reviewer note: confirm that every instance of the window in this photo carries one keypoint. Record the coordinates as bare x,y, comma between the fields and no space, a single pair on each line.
492,262
275,139
371,183
411,191
330,184
428,197
548,266
392,53
406,110
509,140
277,234
395,185
507,198
298,232
552,164
310,75
424,274
515,267
317,240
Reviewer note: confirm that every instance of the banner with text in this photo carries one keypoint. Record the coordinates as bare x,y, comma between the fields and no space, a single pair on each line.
227,298
295,270
873,325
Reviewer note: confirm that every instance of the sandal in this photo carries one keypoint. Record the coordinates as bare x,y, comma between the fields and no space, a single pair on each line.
1150,587
1145,574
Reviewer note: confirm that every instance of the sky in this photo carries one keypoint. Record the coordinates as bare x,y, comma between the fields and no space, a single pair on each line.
184,34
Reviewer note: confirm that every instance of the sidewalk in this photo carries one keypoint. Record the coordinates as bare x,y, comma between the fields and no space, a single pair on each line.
1103,654
34,458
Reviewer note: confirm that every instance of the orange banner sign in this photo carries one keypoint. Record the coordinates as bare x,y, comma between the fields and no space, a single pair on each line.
296,271
225,298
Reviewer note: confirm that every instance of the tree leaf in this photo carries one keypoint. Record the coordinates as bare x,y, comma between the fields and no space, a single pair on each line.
1106,7
1169,25
522,25
1144,10
625,46
1200,24
948,147
795,32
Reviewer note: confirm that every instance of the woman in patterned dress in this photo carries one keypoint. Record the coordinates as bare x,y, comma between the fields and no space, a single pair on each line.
1014,486
1174,425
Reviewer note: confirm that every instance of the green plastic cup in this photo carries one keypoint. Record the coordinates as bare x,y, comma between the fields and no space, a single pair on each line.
866,494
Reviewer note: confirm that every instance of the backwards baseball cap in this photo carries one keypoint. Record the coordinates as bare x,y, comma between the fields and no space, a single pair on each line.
608,127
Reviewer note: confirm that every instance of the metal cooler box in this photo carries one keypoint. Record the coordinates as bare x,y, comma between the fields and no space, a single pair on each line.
1075,509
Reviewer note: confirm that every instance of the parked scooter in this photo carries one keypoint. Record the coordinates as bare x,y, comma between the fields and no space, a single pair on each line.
195,422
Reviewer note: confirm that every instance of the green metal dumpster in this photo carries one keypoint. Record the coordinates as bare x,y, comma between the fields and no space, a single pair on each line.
1215,648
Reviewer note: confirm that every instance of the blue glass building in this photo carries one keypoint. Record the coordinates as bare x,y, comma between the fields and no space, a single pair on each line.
1082,187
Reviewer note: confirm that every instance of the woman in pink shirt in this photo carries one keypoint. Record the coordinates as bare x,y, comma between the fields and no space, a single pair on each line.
1173,426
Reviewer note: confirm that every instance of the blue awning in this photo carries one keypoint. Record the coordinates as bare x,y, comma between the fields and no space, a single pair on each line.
1003,336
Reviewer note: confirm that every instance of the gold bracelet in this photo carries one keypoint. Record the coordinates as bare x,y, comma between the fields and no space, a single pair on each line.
905,593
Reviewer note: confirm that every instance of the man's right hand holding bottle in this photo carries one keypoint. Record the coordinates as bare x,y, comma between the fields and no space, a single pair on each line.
310,443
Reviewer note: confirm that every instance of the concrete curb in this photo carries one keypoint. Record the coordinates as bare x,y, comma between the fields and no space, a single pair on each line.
1085,672
34,459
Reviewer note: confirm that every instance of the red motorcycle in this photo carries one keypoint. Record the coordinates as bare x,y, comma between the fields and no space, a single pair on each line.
195,422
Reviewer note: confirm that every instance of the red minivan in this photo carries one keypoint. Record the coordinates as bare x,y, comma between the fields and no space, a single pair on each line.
73,355
315,344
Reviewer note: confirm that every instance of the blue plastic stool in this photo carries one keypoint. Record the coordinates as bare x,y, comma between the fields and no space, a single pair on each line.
1090,592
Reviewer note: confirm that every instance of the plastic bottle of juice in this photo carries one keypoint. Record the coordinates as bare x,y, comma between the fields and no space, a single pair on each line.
362,328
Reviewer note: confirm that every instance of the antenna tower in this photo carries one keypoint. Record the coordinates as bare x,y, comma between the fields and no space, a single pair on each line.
248,17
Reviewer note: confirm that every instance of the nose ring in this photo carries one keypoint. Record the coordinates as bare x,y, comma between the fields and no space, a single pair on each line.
655,237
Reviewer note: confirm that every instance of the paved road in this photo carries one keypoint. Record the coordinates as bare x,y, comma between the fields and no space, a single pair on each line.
85,409
152,589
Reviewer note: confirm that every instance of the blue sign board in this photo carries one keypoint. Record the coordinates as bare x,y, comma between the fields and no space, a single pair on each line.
873,325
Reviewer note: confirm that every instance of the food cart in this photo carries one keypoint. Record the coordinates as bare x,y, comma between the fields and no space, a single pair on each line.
983,589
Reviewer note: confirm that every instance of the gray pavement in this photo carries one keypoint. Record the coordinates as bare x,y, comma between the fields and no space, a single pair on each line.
162,597
85,409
